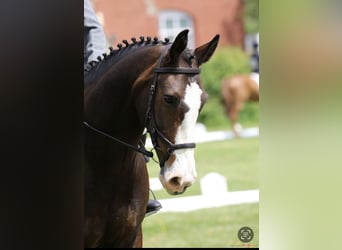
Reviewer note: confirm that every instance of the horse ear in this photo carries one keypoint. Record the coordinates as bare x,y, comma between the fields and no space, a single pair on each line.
178,46
204,52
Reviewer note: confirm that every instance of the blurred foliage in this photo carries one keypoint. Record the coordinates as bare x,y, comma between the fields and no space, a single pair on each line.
251,13
226,62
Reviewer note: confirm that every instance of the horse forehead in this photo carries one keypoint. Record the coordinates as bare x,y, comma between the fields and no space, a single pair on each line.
178,84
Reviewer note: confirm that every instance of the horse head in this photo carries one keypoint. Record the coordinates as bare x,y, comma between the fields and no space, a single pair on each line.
178,99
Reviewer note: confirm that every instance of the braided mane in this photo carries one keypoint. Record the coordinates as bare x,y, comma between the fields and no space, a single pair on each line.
122,50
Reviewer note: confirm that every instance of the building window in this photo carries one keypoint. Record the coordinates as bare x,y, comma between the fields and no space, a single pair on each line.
171,22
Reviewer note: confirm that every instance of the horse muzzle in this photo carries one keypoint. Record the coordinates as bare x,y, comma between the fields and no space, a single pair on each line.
177,178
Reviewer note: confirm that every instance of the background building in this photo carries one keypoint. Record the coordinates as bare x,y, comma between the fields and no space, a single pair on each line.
123,19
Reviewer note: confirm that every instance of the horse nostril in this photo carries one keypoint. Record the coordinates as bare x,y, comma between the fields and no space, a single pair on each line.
175,181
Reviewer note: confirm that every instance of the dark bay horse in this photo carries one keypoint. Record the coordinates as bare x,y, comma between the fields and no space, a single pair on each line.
151,84
236,91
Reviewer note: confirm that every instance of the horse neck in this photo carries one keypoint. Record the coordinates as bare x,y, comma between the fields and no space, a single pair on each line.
110,102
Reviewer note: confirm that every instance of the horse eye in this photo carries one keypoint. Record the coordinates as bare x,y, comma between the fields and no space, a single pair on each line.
169,99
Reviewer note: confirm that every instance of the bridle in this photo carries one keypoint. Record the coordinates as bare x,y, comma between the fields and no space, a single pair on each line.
150,122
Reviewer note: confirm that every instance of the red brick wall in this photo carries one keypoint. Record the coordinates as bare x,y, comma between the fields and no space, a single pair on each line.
124,19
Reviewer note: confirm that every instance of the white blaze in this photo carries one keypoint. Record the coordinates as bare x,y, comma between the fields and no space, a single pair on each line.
184,163
192,98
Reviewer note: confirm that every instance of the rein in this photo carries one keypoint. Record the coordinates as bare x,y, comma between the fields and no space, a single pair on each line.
150,123
140,149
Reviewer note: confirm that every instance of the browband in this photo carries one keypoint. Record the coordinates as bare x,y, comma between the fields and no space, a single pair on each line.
188,71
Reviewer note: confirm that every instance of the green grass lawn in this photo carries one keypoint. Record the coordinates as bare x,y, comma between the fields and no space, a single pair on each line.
235,159
214,227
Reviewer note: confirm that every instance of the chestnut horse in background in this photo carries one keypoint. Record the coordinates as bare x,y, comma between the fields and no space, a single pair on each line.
236,91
